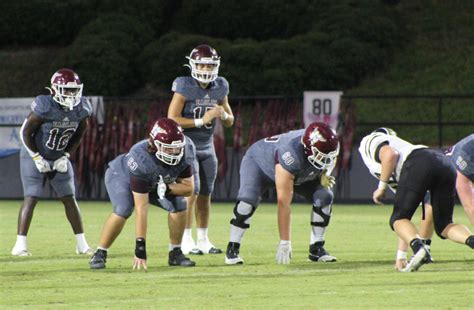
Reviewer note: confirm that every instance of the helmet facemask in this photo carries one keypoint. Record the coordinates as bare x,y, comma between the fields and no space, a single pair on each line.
170,154
322,160
68,95
204,76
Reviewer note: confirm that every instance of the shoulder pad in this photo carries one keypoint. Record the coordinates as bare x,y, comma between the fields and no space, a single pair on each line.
41,105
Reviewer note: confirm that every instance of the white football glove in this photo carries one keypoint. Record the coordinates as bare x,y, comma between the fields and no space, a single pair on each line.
327,181
161,188
60,164
41,164
283,254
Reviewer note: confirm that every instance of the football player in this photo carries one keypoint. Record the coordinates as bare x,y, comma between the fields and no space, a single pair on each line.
426,224
299,161
50,133
197,101
462,156
156,170
417,169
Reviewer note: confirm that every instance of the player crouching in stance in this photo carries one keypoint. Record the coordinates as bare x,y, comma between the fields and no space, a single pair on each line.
426,224
52,131
417,170
299,161
157,171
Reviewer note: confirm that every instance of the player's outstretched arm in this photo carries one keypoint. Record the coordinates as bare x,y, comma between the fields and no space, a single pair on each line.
284,182
28,130
182,187
465,190
141,206
388,159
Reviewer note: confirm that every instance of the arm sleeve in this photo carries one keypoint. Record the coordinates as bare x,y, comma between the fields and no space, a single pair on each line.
187,172
139,185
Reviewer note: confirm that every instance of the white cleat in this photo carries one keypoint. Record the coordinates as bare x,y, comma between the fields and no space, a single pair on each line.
20,252
420,258
206,247
189,247
88,251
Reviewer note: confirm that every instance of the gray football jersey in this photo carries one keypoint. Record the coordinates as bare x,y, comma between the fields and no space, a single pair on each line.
59,125
462,156
198,101
140,163
287,150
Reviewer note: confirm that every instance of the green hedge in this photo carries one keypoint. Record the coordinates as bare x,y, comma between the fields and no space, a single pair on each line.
105,54
37,22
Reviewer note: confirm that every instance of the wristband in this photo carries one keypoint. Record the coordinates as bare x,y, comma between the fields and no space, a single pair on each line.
35,155
198,122
401,254
382,185
140,248
224,116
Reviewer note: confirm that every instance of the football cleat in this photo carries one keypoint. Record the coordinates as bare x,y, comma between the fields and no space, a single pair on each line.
206,247
317,253
189,247
98,260
177,258
20,252
88,251
421,257
232,254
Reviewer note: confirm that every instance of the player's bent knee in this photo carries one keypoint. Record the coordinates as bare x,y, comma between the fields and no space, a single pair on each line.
243,211
123,213
323,197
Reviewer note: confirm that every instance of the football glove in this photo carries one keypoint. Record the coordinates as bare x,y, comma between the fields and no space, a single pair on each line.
162,188
327,181
60,164
41,164
283,254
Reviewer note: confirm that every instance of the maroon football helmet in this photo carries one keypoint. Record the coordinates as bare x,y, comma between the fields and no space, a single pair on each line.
204,54
321,145
168,138
66,88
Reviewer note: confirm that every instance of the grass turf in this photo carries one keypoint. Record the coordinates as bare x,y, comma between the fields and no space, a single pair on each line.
358,235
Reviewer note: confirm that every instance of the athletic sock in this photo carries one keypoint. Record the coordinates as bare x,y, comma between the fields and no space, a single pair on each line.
202,233
21,242
236,234
81,242
188,233
317,234
416,244
174,246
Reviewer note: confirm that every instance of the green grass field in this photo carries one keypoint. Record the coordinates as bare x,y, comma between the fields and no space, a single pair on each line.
358,235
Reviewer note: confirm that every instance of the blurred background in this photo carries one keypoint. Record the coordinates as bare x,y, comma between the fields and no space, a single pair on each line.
407,65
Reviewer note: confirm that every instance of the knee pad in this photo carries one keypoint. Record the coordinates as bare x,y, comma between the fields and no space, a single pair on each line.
243,211
321,215
323,197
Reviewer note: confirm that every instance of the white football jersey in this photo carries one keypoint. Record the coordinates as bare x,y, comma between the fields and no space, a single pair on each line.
370,144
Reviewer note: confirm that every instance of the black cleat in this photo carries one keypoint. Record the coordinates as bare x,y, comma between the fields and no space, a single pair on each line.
232,254
317,253
98,260
177,258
